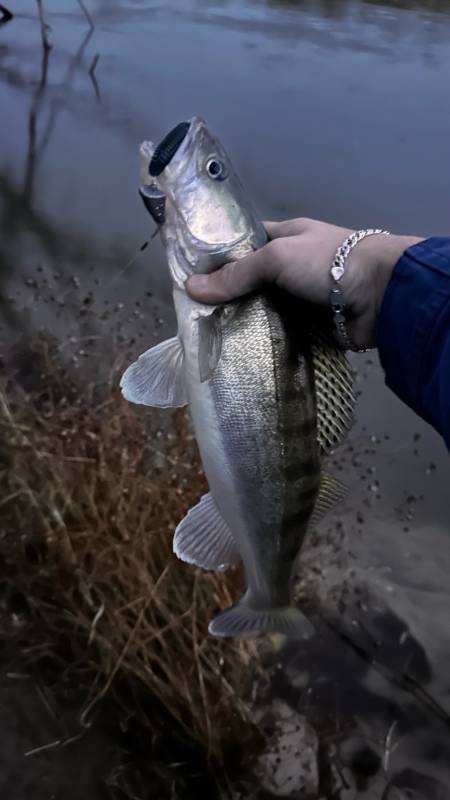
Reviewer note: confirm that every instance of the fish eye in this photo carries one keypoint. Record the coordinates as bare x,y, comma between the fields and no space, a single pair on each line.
215,168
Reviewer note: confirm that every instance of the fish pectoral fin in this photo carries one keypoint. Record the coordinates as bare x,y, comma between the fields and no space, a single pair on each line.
209,343
204,538
157,377
242,620
331,492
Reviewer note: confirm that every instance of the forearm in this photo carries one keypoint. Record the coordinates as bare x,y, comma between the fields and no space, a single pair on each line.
413,331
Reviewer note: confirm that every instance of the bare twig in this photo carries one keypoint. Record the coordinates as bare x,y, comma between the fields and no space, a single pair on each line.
94,63
86,14
57,104
6,15
95,621
388,748
52,745
45,28
46,702
85,714
31,160
335,761
49,746
72,739
18,676
93,78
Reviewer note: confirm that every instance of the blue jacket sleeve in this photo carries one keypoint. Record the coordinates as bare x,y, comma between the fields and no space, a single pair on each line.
413,332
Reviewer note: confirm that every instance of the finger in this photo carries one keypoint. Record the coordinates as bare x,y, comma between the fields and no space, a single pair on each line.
289,227
234,279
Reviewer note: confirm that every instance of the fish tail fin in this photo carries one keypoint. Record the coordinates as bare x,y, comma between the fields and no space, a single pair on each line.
243,620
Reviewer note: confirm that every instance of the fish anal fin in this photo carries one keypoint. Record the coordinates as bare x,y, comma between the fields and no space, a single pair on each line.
157,377
204,538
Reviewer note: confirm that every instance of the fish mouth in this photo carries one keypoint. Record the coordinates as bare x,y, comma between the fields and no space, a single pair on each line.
167,148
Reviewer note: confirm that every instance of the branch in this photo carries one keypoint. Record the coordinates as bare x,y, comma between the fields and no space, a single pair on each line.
86,14
44,27
6,16
93,78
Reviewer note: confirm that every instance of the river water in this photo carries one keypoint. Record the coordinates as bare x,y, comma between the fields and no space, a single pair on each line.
335,109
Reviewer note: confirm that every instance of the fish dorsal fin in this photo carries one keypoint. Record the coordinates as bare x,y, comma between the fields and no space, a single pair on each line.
204,538
331,492
335,399
157,377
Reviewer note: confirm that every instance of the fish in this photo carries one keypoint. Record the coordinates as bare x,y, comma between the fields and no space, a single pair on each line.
269,398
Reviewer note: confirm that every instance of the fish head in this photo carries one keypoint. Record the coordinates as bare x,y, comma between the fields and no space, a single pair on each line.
196,198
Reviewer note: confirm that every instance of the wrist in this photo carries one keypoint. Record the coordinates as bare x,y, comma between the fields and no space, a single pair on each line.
369,270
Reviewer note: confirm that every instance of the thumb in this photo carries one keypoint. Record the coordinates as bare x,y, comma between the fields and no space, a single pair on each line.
233,279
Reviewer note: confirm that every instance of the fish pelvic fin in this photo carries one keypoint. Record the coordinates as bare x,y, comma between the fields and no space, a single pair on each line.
242,620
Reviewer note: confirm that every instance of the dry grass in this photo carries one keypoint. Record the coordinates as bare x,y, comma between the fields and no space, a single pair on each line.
91,489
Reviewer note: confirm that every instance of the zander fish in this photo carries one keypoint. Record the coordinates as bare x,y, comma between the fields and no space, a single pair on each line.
268,397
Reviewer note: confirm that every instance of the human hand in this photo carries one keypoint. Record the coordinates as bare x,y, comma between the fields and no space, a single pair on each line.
298,259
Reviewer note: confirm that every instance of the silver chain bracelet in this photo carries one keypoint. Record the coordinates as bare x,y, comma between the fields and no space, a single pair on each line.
336,297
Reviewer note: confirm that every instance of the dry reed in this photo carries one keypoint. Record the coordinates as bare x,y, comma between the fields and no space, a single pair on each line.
91,490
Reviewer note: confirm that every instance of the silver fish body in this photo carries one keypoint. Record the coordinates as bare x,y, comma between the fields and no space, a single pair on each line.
250,372
255,421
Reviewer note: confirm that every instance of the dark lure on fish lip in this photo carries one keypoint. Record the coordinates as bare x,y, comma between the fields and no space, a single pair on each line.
167,148
153,198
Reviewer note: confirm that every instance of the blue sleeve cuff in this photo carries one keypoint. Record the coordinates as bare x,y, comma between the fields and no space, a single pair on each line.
413,331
